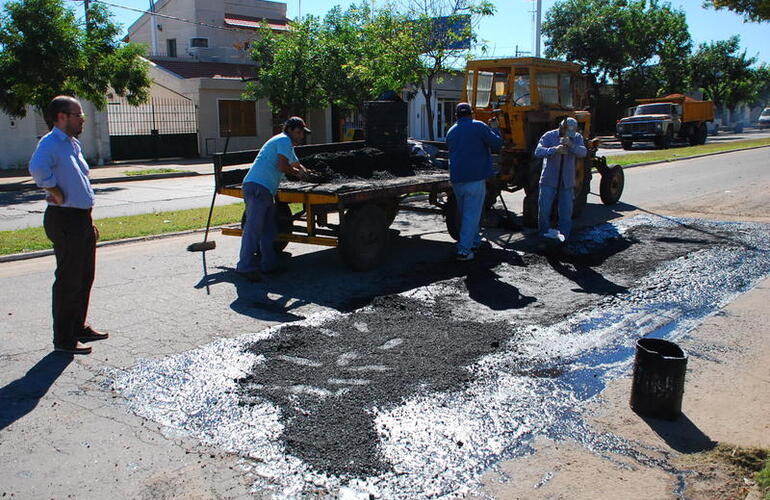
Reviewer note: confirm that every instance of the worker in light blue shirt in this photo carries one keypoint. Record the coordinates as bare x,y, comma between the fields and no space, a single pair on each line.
559,148
470,165
58,166
260,185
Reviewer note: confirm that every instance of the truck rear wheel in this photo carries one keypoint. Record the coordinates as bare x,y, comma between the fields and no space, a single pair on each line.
364,237
702,133
611,186
627,144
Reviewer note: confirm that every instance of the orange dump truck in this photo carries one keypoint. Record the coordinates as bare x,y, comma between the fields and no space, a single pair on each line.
664,119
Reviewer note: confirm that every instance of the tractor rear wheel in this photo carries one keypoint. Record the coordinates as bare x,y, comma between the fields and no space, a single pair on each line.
582,187
611,186
532,190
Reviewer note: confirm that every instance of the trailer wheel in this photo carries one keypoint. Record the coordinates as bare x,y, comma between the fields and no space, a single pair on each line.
451,216
627,144
283,223
582,188
611,186
364,237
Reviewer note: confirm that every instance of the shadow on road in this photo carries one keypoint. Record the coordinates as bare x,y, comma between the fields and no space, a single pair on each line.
21,396
681,434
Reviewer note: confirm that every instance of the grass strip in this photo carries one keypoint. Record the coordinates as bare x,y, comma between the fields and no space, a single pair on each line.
132,226
685,152
152,171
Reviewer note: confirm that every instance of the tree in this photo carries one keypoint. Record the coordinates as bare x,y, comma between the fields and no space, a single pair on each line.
443,31
349,57
289,68
726,75
622,40
45,51
752,10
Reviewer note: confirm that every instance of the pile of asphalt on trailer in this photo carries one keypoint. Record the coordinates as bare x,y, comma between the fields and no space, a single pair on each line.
387,153
364,163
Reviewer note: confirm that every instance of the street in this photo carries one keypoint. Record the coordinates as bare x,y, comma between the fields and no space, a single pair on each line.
421,378
20,209
611,146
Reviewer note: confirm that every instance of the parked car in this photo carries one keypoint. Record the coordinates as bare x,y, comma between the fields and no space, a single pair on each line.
764,118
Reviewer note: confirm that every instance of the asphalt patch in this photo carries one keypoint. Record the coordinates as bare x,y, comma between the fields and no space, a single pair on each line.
327,379
364,163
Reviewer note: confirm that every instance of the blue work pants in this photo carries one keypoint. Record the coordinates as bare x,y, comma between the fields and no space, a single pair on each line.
545,202
470,202
260,230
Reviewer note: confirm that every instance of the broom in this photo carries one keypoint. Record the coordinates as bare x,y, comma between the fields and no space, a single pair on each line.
206,245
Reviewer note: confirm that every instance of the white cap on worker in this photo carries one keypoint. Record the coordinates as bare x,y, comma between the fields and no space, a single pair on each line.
570,126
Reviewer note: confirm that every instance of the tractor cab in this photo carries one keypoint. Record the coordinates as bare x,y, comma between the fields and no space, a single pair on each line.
530,96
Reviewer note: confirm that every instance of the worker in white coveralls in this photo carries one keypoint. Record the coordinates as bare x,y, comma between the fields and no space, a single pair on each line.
559,148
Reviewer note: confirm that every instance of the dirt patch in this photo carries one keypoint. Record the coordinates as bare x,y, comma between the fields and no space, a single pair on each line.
725,472
364,163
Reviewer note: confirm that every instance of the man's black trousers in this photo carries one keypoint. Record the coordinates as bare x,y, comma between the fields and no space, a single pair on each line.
74,243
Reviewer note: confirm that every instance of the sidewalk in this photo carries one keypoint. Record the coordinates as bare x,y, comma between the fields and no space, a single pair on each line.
20,180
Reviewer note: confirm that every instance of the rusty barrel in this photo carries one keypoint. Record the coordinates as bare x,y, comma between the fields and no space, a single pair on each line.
658,384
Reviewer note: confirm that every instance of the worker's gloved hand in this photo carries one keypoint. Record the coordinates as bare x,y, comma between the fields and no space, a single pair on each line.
561,149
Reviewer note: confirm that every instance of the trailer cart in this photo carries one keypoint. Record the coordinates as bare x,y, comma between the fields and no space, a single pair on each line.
365,208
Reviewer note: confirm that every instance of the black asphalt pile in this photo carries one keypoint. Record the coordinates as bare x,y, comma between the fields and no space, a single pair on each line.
327,379
364,163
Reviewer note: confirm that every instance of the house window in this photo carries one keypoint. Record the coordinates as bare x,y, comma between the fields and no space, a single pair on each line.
237,118
199,42
171,47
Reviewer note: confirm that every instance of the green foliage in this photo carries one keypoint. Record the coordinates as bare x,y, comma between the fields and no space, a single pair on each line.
725,74
45,52
289,68
752,10
643,42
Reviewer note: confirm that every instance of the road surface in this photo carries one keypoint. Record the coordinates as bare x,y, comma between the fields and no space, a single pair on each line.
139,416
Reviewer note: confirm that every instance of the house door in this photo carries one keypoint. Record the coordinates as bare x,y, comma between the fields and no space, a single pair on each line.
160,128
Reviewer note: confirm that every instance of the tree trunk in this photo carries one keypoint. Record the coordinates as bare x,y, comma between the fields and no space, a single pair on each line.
427,92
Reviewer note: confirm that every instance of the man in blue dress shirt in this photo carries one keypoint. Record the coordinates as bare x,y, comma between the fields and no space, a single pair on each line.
470,165
275,158
558,148
58,166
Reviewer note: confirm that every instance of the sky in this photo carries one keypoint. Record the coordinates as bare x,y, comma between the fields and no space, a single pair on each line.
513,25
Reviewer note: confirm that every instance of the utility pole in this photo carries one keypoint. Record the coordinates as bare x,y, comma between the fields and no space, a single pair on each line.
153,29
537,27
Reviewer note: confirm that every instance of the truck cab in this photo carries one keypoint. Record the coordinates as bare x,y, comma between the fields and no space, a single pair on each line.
662,120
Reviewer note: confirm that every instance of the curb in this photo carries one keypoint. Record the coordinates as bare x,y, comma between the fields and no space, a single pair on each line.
44,253
105,180
633,165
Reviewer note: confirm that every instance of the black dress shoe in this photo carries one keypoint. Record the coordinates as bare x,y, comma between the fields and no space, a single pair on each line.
89,335
78,348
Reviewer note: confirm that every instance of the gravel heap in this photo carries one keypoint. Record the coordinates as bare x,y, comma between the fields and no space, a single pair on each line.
364,163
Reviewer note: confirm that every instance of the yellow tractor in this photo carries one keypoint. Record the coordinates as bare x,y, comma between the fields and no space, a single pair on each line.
531,96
